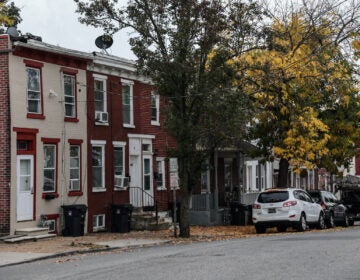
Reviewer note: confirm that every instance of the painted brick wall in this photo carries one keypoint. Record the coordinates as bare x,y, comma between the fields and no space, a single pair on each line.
4,137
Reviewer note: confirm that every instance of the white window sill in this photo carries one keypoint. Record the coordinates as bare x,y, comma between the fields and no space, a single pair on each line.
101,123
156,123
161,189
99,189
117,189
128,125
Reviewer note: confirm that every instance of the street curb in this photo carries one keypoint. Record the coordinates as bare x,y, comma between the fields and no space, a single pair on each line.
83,252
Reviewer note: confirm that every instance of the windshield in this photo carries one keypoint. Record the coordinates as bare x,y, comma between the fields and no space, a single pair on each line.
269,197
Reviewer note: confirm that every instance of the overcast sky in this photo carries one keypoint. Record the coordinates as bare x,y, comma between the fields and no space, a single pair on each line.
56,22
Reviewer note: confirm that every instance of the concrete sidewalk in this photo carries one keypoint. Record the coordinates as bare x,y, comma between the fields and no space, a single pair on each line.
13,258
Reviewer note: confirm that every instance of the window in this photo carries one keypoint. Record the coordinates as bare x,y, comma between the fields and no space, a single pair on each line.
228,175
49,184
147,173
160,173
69,96
74,167
101,115
98,165
127,103
99,222
155,108
33,91
119,165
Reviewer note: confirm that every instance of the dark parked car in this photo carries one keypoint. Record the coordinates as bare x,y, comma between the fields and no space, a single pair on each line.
350,197
335,212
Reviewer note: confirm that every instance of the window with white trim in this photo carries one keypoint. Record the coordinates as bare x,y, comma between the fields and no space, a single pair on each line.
49,184
119,165
127,103
147,173
69,96
98,222
155,108
100,103
33,90
74,168
98,166
160,173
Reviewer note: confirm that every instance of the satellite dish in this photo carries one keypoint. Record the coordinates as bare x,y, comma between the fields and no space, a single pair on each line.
104,42
12,31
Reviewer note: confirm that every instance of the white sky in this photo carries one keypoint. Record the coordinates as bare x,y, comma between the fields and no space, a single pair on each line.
56,22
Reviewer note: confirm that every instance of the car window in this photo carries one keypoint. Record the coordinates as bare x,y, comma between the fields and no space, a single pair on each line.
326,197
268,197
315,196
333,197
307,197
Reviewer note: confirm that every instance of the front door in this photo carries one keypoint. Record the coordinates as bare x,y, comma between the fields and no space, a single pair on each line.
141,191
25,187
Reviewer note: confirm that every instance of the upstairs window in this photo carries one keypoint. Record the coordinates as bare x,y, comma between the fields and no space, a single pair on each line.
101,115
69,96
155,108
33,91
127,103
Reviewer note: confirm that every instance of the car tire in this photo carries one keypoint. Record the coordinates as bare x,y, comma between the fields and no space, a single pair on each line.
351,222
260,229
281,229
302,223
331,222
346,221
321,221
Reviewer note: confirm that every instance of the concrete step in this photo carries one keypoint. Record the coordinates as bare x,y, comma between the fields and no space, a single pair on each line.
29,238
32,231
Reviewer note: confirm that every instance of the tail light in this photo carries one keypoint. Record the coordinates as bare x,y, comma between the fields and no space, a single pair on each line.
256,206
323,206
290,203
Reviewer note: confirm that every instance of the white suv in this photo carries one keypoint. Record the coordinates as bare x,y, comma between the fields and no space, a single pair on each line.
283,208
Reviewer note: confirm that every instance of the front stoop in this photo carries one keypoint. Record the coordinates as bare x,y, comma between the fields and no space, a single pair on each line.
145,220
28,234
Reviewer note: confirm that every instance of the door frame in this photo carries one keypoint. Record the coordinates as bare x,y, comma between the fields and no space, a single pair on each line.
30,203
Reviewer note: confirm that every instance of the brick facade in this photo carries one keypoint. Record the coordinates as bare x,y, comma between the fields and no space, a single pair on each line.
4,137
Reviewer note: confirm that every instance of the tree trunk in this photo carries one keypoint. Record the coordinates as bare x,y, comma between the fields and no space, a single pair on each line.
283,173
184,222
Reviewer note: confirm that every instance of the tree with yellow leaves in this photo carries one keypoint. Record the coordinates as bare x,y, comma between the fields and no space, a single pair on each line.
9,15
305,96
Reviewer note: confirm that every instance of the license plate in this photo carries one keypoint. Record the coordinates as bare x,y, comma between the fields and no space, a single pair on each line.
272,210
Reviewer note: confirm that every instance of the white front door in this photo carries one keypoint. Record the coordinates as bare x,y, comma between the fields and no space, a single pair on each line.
141,191
25,187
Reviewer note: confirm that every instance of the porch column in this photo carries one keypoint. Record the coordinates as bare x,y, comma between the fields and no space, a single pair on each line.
216,190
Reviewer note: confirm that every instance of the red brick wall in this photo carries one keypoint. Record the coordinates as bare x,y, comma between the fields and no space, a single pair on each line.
4,137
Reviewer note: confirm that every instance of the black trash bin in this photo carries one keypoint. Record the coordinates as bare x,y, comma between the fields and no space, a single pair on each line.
121,217
239,214
74,216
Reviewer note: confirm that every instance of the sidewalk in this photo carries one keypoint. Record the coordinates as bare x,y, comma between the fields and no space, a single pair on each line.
11,254
12,258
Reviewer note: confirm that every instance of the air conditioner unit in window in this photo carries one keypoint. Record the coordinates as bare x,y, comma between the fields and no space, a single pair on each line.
101,117
74,185
121,182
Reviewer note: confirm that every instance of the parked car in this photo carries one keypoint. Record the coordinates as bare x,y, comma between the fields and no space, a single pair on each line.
335,212
283,208
350,197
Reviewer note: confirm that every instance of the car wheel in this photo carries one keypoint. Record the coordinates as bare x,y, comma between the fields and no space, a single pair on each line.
260,229
346,221
302,223
281,229
351,222
331,223
321,222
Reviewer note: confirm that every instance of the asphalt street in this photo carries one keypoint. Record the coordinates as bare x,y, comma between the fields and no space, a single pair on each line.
309,255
